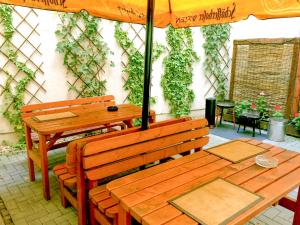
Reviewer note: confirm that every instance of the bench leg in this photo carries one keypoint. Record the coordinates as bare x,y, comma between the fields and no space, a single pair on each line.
92,219
297,210
29,148
63,199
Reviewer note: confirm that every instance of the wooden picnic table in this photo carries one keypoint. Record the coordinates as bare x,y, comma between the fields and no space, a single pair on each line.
49,132
144,195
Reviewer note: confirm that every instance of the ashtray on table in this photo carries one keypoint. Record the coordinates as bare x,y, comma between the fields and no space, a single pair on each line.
266,161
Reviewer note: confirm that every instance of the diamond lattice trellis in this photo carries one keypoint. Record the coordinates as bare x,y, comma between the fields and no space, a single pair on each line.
212,80
76,82
136,34
26,41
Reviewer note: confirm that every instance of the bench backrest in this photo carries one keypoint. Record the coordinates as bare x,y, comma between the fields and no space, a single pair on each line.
117,154
61,106
78,145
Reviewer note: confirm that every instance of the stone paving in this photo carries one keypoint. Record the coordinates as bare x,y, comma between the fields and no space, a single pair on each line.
24,204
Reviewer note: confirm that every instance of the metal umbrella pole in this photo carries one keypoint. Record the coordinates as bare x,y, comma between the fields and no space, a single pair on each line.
148,64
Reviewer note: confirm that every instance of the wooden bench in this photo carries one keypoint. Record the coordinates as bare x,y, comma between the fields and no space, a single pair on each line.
73,181
110,156
63,106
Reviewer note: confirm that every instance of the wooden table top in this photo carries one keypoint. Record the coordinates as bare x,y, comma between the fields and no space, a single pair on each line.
145,194
87,116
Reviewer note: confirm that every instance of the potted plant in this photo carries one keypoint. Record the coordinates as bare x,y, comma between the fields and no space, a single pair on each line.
261,103
242,106
277,123
294,129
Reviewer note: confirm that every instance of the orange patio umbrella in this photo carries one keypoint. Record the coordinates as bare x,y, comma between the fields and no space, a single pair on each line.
178,13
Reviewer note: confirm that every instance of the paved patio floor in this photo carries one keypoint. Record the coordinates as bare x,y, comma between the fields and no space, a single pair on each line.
21,201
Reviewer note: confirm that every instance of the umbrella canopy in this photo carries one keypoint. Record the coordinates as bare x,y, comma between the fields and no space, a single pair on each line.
179,13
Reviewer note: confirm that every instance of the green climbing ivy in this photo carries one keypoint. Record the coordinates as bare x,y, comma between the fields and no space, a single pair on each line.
178,71
14,97
84,52
215,37
135,67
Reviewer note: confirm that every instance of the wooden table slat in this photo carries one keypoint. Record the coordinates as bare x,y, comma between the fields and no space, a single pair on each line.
161,216
128,180
272,175
159,213
271,194
88,116
165,175
152,191
145,194
152,204
182,220
255,170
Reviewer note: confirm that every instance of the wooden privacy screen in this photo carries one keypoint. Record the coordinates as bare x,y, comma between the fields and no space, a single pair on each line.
268,65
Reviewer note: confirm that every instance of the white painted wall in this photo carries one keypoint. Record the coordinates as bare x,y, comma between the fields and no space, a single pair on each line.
55,73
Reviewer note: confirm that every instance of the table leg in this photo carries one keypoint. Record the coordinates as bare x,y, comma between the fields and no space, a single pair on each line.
129,123
29,148
233,118
297,210
44,166
253,132
152,118
222,109
124,217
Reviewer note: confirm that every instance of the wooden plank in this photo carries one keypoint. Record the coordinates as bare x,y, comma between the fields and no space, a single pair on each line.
75,108
288,203
296,220
161,216
86,118
159,201
54,116
30,161
100,218
66,103
270,176
143,159
157,213
182,220
236,151
164,175
97,190
150,192
106,203
272,194
146,135
70,198
208,203
100,197
35,156
256,170
139,147
153,170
